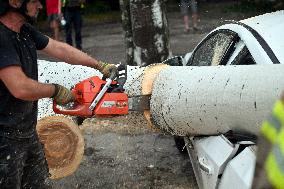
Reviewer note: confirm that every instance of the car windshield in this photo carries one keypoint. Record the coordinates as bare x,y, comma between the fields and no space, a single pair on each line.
212,50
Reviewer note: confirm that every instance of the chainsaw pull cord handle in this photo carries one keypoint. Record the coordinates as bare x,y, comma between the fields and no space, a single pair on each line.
109,80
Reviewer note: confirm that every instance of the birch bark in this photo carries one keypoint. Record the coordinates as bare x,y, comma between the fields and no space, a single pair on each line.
146,31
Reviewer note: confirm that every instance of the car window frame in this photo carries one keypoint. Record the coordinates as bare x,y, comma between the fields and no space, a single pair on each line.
227,52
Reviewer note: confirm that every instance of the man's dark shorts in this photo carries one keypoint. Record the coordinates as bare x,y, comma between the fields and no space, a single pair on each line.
22,164
53,17
185,4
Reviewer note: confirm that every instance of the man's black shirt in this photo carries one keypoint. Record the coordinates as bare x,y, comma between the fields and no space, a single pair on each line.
18,117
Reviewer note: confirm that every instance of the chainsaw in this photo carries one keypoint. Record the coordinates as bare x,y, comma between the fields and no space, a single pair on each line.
99,97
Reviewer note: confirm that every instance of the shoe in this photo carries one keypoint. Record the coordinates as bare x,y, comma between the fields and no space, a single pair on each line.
186,30
195,28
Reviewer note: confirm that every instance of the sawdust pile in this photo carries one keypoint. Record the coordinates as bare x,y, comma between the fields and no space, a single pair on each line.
133,124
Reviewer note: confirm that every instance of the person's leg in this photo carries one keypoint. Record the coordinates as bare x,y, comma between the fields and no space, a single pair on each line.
194,21
55,27
194,14
56,32
186,21
77,27
36,169
68,27
12,158
184,4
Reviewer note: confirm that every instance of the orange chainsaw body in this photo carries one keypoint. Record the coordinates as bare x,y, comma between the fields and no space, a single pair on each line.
112,103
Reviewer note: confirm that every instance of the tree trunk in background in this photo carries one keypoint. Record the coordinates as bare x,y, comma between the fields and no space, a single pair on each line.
146,31
126,25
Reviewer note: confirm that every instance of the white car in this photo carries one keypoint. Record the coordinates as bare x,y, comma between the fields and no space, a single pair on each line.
228,161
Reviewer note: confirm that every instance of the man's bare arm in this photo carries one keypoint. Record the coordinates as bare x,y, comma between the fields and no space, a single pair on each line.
70,54
22,87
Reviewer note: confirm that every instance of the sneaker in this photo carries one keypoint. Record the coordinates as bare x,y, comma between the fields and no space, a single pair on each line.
186,30
195,28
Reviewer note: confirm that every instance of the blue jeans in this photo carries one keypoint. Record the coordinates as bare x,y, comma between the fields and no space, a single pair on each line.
73,18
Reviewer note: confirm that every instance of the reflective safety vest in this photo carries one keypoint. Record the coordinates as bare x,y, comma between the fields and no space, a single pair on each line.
273,131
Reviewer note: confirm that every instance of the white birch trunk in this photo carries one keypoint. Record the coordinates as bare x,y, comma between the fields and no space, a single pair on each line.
149,30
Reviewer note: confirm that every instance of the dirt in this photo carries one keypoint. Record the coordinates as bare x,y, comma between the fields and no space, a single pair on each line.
124,152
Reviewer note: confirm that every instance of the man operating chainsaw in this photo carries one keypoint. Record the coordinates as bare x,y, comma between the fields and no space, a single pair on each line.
22,161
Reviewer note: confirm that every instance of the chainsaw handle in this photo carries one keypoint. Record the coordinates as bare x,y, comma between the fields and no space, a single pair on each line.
78,110
113,74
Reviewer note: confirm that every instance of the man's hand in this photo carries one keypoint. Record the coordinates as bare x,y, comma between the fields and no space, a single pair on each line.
62,95
106,69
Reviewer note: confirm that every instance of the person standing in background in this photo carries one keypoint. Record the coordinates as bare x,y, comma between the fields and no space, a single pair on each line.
53,9
184,5
72,15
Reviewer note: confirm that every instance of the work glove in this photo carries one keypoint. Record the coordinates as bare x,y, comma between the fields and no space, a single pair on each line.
62,95
106,69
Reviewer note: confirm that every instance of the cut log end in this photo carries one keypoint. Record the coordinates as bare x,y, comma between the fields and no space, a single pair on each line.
63,145
150,75
147,116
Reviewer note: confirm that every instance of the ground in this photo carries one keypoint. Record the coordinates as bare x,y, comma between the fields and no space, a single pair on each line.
124,152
